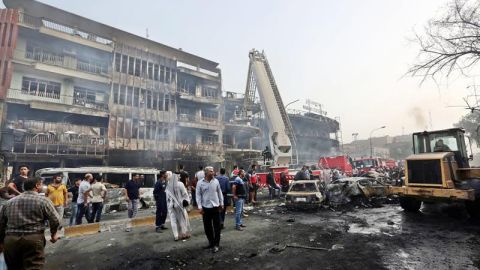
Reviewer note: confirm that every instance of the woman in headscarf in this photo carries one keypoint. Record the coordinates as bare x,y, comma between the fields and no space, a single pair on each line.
177,201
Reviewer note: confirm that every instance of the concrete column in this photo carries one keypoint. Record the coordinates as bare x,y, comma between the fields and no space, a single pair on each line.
250,143
233,141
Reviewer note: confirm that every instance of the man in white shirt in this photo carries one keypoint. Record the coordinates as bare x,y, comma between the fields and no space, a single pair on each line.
83,199
210,204
99,192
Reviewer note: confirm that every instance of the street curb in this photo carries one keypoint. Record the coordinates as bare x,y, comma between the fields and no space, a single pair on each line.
118,225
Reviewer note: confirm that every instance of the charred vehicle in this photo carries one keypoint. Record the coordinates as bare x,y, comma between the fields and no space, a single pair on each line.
346,190
304,194
114,179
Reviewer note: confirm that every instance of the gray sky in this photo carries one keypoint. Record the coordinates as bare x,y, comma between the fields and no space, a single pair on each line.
348,55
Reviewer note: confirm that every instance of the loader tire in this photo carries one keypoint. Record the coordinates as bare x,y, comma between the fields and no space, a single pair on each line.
410,204
473,209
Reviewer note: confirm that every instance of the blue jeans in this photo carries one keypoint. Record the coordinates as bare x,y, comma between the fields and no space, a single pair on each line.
97,208
73,208
238,211
132,207
83,211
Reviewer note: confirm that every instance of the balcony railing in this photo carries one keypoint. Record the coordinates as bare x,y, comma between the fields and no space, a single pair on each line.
67,62
54,98
35,22
183,117
53,138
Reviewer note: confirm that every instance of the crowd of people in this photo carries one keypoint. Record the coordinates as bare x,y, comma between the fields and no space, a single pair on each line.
25,214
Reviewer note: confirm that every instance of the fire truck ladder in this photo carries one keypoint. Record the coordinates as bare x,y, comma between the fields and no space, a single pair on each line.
256,56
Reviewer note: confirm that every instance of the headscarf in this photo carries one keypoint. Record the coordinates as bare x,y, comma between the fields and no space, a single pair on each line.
172,188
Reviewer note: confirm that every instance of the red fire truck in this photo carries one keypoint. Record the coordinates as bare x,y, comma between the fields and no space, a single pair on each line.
343,163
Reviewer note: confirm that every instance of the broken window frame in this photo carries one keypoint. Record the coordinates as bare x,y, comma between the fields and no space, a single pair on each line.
150,70
115,93
162,73
137,67
124,64
122,94
131,65
32,86
118,62
129,96
156,72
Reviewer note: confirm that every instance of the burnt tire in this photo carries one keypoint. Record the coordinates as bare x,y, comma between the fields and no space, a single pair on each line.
410,204
473,209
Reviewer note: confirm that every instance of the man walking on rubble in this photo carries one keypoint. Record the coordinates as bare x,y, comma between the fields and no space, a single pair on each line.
210,203
161,202
22,227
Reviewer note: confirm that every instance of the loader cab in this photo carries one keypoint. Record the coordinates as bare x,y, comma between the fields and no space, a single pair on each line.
448,140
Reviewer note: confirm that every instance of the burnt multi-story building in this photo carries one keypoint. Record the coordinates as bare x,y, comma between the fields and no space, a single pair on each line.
77,92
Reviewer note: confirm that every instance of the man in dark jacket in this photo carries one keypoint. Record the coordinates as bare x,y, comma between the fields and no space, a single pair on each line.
161,202
225,186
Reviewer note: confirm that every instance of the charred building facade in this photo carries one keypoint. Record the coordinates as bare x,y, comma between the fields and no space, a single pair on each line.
316,135
77,92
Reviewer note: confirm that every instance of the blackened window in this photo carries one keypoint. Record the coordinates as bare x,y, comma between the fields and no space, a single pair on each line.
149,99
129,96
150,71
115,93
121,99
124,63
137,67
131,65
156,72
118,62
40,88
162,73
155,100
136,97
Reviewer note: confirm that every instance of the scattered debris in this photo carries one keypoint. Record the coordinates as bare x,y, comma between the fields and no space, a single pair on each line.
280,248
307,247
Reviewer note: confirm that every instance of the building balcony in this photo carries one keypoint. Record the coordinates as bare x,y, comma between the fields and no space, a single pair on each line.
57,102
73,34
67,65
202,99
195,121
50,138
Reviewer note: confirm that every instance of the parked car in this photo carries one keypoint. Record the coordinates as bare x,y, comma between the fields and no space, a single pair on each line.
304,194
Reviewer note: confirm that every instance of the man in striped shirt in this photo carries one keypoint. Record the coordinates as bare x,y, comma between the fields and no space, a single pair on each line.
22,227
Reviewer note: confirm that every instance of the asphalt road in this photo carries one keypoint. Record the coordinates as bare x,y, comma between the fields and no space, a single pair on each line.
364,238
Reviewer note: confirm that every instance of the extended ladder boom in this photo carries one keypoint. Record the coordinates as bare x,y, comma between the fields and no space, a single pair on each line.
280,130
